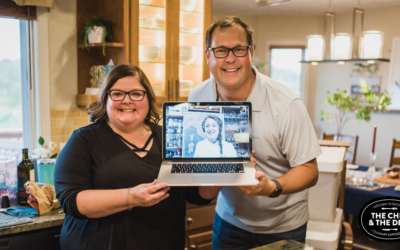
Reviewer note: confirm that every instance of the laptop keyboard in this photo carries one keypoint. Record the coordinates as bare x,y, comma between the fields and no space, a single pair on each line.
208,168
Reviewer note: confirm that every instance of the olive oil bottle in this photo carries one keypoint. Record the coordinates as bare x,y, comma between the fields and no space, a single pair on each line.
23,171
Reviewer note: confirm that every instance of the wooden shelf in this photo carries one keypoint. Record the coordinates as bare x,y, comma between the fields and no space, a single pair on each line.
109,45
350,60
85,100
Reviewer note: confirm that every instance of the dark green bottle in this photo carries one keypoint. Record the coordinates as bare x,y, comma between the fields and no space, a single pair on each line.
23,170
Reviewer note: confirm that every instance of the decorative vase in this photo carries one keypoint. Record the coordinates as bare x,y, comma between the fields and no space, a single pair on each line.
96,34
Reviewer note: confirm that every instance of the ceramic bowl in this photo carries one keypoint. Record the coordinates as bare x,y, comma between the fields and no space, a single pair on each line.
148,53
187,54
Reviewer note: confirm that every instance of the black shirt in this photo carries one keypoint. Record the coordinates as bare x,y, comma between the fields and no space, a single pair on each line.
96,158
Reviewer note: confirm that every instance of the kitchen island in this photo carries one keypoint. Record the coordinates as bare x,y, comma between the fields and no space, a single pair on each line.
43,232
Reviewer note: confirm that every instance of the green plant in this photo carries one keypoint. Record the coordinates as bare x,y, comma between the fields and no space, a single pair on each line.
99,21
366,68
44,150
345,104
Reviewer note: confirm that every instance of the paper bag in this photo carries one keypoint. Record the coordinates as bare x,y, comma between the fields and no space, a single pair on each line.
42,196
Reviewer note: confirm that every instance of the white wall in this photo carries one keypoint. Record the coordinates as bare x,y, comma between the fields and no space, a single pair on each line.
63,54
330,76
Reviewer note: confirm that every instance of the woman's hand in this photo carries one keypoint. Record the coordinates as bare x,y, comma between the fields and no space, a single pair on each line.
149,194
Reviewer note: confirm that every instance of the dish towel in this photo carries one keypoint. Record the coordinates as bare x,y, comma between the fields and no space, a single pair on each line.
22,212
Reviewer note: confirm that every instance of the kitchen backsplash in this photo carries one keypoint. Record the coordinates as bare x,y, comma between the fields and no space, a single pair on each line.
64,122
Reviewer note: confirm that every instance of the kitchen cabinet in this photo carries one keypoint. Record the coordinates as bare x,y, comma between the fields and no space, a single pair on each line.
171,45
118,12
199,225
164,37
42,239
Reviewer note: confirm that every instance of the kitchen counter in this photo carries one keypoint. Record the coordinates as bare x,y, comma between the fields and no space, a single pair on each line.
51,219
286,245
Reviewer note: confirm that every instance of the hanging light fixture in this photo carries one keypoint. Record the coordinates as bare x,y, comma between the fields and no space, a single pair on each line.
342,46
315,45
270,2
320,47
372,44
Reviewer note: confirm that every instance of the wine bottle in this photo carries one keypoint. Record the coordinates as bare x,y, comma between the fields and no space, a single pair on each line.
23,170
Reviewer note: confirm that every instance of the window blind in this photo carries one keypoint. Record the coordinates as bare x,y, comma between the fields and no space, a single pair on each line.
9,8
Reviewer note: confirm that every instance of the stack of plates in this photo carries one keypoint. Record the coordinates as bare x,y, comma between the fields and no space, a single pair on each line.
187,54
187,30
188,5
145,1
143,22
157,90
148,53
185,86
157,23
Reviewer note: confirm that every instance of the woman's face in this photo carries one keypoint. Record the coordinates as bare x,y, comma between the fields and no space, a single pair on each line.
125,113
212,129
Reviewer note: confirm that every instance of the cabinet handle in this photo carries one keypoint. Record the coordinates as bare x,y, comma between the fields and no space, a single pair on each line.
171,94
193,247
189,220
177,88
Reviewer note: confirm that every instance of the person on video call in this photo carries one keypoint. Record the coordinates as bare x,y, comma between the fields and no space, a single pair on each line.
283,137
213,146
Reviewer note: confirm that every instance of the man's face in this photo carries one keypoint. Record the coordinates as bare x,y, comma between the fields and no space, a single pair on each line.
230,72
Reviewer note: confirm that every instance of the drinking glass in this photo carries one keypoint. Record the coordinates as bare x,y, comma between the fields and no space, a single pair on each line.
371,170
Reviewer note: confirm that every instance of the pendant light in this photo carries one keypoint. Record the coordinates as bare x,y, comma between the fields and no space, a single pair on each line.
372,44
342,46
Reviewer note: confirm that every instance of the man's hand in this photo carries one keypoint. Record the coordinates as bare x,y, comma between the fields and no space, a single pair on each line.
265,187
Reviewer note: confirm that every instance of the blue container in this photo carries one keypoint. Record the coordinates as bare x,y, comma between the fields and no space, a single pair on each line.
45,170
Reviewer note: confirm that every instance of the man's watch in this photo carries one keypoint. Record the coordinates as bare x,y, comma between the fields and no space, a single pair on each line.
277,191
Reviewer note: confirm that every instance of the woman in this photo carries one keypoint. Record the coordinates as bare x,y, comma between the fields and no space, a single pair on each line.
105,174
214,146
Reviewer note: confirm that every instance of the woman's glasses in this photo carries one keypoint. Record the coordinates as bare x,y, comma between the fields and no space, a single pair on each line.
119,95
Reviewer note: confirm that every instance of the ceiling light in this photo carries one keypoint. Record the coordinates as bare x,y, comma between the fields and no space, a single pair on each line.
340,62
314,63
270,2
342,46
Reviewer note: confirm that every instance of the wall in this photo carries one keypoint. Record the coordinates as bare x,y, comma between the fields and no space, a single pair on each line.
319,79
332,76
63,54
65,117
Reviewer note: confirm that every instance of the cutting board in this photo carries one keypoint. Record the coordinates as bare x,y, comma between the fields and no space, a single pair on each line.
385,179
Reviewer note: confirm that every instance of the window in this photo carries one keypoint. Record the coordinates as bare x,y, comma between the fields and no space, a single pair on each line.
15,84
286,67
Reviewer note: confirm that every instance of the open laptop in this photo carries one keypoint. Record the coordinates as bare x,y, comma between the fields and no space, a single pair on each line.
207,143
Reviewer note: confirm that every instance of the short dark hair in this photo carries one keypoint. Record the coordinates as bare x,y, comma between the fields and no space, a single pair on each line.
226,22
98,110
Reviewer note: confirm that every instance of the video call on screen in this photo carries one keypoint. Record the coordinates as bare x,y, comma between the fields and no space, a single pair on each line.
207,131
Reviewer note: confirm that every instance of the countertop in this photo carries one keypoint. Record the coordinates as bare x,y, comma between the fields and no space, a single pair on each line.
51,219
286,245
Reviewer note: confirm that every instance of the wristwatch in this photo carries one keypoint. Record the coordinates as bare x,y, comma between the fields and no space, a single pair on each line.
277,191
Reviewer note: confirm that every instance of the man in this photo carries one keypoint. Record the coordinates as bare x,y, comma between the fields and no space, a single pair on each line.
283,137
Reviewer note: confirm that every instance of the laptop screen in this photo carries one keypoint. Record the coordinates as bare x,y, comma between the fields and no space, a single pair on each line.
212,130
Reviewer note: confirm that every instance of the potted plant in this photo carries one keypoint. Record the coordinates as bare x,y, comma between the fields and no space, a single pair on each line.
98,27
346,104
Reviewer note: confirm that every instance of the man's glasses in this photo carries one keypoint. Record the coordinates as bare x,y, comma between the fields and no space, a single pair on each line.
239,51
119,95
